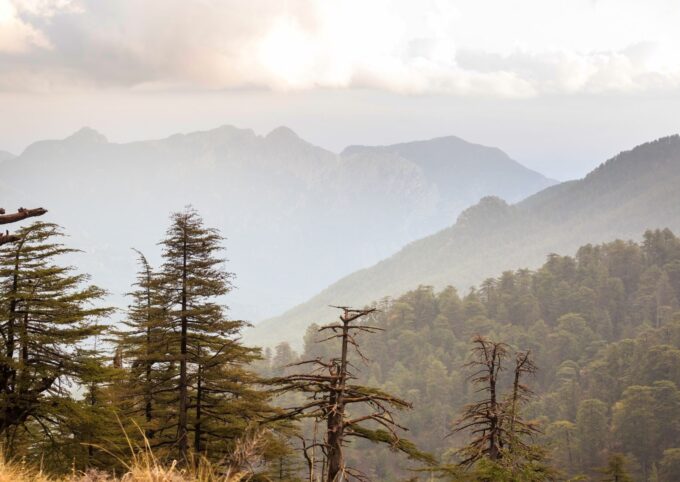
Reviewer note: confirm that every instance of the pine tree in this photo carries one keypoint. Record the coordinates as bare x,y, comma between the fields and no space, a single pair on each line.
47,314
501,437
216,401
331,395
93,431
591,431
146,389
615,471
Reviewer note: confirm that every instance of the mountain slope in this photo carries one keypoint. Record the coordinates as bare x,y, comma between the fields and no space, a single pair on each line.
283,203
478,170
4,156
631,192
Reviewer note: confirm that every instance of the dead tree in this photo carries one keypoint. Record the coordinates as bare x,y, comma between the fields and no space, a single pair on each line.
330,390
518,427
495,422
21,213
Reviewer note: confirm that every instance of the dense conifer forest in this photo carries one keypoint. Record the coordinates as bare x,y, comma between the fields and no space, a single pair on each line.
568,372
603,329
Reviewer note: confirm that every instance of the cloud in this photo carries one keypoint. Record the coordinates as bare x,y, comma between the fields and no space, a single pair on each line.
17,36
511,49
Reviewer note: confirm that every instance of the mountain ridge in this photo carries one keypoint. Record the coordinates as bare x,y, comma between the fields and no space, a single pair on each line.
614,200
5,156
282,202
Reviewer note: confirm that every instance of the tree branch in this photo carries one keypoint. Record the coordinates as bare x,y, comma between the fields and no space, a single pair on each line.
20,214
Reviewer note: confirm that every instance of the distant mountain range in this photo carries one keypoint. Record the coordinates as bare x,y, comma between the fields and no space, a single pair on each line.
297,217
636,190
4,156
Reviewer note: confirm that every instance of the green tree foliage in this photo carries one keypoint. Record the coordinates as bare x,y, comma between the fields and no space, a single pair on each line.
596,323
144,394
48,315
669,467
501,445
615,470
194,347
591,432
634,424
603,325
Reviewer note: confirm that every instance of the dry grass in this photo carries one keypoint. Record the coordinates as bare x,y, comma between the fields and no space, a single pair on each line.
144,466
142,470
20,473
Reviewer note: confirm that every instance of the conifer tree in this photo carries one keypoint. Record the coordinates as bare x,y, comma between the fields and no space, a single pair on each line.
501,437
669,468
47,313
331,394
146,387
91,431
216,400
615,471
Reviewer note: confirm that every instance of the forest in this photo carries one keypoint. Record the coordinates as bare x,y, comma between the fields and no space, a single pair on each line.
568,372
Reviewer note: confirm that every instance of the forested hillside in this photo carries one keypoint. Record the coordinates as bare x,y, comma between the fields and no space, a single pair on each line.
634,191
603,327
387,392
280,199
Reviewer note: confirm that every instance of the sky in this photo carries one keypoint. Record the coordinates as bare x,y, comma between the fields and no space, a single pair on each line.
559,85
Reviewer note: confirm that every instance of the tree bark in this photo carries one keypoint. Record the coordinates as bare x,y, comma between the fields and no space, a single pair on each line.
20,214
6,238
199,397
336,420
13,218
148,402
183,389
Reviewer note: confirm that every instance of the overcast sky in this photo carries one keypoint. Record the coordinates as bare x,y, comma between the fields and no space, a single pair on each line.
559,85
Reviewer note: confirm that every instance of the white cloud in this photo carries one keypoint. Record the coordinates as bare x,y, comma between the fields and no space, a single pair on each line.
494,47
17,36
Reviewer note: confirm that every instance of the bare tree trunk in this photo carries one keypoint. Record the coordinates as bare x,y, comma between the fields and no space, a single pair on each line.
182,432
336,420
148,404
199,400
330,393
494,367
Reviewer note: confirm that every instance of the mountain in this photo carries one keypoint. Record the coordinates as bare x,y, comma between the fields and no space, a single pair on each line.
635,190
4,156
477,172
296,216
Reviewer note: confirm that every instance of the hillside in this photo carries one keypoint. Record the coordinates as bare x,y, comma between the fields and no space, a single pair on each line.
629,193
282,202
603,327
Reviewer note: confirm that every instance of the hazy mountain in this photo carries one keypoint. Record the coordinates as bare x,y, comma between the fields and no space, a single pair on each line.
475,173
297,217
629,193
4,156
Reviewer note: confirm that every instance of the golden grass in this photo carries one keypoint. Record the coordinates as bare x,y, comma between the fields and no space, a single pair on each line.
144,466
143,469
17,472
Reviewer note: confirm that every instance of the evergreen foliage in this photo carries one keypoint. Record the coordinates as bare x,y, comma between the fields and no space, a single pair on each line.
48,318
603,326
187,384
